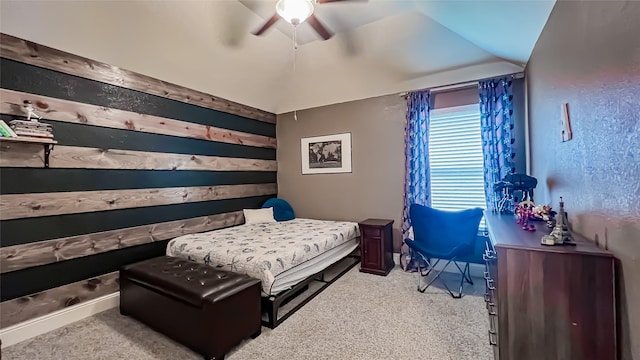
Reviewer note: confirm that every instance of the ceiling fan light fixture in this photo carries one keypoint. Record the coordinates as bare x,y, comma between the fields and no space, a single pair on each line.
294,11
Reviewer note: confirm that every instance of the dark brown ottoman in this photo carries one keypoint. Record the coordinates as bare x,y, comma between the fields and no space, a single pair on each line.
208,310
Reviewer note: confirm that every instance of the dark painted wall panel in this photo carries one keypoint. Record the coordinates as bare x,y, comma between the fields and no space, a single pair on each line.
32,79
39,180
107,138
22,231
35,279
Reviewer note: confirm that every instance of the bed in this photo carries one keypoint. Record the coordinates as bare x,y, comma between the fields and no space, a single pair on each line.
283,255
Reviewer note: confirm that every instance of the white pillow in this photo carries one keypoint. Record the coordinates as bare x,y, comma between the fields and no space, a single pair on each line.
257,216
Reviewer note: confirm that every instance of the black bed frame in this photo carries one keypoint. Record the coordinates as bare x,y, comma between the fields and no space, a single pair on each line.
271,304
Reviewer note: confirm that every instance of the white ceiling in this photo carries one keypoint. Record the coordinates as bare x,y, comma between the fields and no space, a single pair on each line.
380,47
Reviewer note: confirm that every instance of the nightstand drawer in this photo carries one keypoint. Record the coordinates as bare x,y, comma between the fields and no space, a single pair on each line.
369,232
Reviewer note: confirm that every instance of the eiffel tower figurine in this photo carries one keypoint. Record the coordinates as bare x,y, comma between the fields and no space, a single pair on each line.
560,234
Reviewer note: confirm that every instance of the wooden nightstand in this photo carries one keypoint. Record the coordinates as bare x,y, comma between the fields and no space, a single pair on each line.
376,246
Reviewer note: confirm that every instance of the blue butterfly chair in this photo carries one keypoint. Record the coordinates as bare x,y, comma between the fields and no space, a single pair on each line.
443,235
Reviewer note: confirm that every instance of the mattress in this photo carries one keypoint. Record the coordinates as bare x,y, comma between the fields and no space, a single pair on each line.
279,254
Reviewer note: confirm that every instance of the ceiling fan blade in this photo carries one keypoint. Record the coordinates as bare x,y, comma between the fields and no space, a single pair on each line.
319,28
267,25
231,22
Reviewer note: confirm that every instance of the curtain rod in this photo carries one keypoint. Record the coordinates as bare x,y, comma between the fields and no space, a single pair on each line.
463,84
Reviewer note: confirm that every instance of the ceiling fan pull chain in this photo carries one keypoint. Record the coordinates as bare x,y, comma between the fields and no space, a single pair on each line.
295,45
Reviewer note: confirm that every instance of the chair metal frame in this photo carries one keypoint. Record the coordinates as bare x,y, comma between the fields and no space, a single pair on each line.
466,274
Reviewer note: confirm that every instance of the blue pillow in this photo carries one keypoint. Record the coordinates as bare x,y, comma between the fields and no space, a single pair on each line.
282,211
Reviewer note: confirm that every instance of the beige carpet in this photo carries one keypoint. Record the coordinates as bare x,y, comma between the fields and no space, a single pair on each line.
360,316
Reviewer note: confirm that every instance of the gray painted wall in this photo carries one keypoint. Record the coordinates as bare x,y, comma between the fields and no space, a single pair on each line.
374,188
451,98
589,56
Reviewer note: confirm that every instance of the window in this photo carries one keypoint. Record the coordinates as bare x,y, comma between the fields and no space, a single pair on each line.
455,159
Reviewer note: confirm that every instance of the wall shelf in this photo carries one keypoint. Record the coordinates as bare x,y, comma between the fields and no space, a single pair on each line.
46,143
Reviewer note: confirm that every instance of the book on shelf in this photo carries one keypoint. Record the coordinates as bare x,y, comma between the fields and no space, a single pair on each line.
6,130
4,133
28,128
30,124
34,134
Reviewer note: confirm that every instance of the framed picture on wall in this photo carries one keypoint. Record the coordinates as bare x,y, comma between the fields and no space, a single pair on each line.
326,154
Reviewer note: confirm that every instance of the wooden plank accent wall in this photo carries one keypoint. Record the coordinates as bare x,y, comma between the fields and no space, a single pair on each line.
70,157
138,162
45,252
19,206
79,113
45,302
46,57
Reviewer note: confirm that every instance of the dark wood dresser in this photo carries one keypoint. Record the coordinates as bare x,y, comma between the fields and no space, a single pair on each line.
376,246
548,302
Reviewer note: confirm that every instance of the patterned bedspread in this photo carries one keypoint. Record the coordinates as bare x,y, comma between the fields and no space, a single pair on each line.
263,250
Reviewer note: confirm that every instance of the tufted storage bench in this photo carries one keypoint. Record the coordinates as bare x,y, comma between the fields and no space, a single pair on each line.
208,310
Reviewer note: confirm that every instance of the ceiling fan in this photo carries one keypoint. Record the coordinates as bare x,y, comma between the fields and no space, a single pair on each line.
295,12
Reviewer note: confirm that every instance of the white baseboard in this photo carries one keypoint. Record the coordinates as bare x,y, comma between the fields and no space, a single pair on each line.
476,270
34,327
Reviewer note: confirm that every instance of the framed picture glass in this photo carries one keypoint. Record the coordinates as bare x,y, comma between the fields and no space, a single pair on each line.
326,154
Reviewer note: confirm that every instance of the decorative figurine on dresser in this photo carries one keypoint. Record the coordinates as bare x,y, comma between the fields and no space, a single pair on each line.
515,188
376,246
560,234
524,214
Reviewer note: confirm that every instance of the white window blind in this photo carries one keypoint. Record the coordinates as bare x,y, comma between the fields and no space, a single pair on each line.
455,159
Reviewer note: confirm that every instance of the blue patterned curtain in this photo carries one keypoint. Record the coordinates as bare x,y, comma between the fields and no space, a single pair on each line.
496,116
416,180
